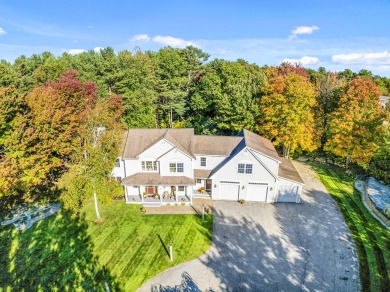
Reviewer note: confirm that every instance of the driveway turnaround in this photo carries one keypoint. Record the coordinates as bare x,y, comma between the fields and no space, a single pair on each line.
273,247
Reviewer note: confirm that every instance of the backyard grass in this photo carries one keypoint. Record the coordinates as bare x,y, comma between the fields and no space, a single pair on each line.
371,239
124,250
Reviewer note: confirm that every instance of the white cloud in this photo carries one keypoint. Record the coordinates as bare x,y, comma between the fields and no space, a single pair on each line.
302,30
76,51
306,60
173,42
97,49
164,40
380,58
140,37
2,31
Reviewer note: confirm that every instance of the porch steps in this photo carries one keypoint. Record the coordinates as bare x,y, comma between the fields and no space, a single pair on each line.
151,204
201,196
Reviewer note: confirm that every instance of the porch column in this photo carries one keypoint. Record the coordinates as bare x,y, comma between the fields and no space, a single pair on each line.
126,194
191,191
160,195
141,193
176,194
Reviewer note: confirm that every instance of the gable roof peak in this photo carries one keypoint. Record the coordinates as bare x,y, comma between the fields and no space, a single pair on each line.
259,143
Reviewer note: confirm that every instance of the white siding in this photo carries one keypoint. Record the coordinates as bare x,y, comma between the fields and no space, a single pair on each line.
132,166
272,164
176,156
229,172
155,151
132,191
119,171
211,161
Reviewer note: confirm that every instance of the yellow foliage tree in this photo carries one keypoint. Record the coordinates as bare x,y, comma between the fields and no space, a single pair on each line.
287,118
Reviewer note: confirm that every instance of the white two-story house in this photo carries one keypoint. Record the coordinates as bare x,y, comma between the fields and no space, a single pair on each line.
171,166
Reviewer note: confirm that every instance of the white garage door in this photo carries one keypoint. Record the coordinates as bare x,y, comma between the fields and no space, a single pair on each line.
257,192
228,190
289,193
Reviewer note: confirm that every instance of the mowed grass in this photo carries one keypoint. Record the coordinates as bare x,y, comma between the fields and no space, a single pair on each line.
372,240
124,250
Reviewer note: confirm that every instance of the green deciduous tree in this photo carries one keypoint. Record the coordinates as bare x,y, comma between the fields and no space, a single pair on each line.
137,85
101,137
329,87
380,162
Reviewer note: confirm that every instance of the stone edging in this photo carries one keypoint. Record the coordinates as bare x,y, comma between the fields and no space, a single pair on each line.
370,206
20,224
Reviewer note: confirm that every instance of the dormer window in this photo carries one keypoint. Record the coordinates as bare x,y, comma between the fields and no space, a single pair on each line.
149,165
245,168
203,161
117,163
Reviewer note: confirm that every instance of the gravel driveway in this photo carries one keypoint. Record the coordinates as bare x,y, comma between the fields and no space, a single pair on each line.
275,247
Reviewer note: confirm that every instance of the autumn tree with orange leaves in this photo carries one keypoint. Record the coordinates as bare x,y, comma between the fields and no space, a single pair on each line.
354,127
286,109
43,134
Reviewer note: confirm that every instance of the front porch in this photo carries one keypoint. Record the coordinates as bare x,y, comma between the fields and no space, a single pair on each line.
159,195
159,201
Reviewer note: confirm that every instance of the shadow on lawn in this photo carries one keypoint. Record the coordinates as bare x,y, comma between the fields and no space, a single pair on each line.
162,243
308,248
54,254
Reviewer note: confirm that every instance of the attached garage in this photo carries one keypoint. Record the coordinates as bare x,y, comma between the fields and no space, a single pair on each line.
229,190
288,194
257,192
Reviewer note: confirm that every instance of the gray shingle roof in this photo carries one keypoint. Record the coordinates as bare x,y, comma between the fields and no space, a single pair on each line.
155,179
259,143
288,171
202,173
138,140
215,145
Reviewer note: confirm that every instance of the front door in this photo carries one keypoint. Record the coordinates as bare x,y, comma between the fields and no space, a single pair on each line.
208,185
150,190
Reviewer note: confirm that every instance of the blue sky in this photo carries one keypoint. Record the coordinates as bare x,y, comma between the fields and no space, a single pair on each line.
332,34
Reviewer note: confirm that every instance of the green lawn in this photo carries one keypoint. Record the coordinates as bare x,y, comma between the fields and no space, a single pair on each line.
372,240
125,250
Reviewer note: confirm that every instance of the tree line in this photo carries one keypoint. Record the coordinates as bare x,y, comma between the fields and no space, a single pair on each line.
50,108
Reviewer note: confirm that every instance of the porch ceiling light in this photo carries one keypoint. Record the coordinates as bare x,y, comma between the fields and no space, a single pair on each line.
215,186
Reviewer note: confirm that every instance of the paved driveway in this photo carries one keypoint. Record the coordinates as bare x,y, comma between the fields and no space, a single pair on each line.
275,247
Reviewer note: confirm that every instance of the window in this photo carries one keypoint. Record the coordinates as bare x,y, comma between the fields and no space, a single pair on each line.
181,189
245,168
149,165
176,167
180,167
248,168
198,181
241,168
118,178
203,161
117,163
